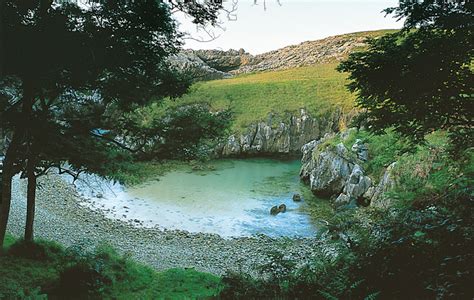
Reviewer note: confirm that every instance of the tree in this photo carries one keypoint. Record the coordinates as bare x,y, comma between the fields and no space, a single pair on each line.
180,132
421,78
75,70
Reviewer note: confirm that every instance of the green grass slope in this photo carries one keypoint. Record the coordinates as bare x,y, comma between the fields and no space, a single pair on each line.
45,270
251,97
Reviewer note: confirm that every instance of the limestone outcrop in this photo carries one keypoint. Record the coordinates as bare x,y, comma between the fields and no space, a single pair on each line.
355,188
337,173
191,64
225,61
376,194
280,137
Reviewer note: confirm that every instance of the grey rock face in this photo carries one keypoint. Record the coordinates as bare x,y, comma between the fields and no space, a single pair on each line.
331,170
330,49
216,64
188,62
284,137
361,150
355,187
225,61
307,163
376,194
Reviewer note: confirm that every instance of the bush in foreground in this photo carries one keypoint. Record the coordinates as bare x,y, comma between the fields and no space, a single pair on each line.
47,270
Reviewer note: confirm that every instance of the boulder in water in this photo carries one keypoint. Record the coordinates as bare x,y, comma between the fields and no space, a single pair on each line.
297,197
274,210
282,208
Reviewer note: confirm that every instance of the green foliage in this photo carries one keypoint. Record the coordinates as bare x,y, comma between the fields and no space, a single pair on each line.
419,80
39,250
434,13
383,150
69,90
430,172
43,270
420,248
181,132
425,251
174,284
25,267
9,240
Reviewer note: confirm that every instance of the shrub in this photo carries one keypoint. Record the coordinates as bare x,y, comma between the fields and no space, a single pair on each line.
81,280
38,250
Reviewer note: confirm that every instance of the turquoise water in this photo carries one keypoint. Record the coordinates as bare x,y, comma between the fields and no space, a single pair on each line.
232,200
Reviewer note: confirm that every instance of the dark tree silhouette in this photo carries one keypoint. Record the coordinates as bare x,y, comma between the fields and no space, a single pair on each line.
420,78
74,72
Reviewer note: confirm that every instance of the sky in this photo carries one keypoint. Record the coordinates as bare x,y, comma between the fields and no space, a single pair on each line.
257,30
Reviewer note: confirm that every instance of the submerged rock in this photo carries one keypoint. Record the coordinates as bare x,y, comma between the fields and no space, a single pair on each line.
275,210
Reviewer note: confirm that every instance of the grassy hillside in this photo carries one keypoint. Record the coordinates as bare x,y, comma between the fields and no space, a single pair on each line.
251,97
47,270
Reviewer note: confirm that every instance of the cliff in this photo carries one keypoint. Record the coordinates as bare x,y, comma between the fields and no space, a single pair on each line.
286,136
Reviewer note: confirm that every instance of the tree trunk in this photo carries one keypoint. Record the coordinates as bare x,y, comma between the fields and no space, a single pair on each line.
6,193
2,41
10,159
30,197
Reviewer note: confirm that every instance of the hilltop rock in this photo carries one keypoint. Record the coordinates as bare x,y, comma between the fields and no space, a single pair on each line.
191,64
331,49
225,61
217,64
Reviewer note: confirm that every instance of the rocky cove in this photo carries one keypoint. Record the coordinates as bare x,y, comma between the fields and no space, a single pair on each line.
332,171
62,217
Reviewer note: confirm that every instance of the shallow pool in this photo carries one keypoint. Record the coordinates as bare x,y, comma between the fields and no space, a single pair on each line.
234,199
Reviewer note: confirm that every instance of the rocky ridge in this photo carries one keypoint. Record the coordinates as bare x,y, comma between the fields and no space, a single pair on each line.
335,172
191,64
331,49
217,64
